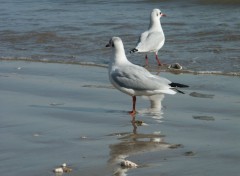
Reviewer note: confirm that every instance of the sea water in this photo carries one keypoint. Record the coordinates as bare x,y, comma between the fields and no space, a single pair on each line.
200,35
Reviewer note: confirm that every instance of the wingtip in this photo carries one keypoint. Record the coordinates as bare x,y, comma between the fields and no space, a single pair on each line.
178,85
133,50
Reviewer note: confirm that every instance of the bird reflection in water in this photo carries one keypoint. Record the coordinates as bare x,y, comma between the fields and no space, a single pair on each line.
135,142
155,109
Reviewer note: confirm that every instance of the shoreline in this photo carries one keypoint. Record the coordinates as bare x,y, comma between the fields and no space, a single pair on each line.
151,69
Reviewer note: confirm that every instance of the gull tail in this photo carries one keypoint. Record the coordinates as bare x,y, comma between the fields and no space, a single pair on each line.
134,50
178,85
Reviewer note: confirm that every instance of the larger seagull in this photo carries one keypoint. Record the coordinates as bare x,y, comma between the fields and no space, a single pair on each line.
135,80
153,39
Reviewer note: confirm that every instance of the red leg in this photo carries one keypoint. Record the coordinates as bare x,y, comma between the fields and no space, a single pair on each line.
159,63
146,60
133,112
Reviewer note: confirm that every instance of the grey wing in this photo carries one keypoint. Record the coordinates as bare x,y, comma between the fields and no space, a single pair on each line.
152,41
142,38
138,79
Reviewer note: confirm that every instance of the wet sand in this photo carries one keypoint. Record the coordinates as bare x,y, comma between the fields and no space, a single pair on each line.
61,113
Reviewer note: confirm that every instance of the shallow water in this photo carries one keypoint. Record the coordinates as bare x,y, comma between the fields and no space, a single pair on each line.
62,113
200,35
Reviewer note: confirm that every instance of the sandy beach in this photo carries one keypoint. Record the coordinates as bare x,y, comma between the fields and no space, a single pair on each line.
62,113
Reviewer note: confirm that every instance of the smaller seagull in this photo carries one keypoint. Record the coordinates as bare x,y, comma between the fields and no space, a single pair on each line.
135,80
153,39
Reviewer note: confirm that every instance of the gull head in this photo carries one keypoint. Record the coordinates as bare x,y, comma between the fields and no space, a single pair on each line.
114,42
157,14
117,49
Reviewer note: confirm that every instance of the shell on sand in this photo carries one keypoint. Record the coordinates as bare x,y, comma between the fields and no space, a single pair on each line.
63,168
128,164
58,170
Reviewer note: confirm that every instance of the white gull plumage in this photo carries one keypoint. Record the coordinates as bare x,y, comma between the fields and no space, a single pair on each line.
153,39
135,80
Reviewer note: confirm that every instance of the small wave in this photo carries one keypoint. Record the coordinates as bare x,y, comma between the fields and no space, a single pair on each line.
186,71
38,37
153,69
27,59
230,2
205,72
175,24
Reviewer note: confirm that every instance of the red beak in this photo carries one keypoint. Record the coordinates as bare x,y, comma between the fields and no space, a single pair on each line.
162,14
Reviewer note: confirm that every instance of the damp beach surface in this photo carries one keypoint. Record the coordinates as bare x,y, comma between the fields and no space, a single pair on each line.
64,113
57,105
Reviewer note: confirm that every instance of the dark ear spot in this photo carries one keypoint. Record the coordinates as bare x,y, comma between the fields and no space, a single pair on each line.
111,43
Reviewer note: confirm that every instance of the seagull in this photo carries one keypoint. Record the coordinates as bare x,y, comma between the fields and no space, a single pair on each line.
153,39
135,80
